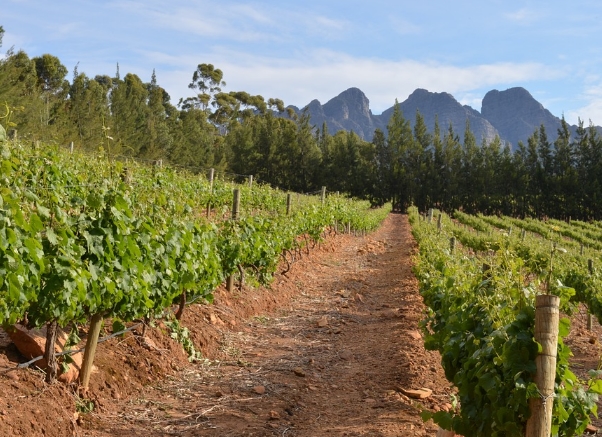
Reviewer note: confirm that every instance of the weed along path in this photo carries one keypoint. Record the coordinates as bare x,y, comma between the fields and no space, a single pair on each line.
337,352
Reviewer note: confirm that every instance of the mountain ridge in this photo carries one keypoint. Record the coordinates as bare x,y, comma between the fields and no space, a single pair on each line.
513,114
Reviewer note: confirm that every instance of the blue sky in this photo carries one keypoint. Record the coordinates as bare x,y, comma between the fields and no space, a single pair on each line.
304,50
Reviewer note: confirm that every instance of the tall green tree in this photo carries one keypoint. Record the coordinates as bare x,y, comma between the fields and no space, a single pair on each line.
400,142
208,80
130,115
382,169
451,169
437,170
545,177
159,141
565,175
54,89
325,143
471,177
19,90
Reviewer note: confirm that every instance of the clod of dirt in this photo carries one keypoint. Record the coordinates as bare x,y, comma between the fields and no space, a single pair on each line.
421,393
32,342
415,335
299,372
346,355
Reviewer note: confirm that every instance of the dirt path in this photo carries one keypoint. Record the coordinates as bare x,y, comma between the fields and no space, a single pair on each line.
333,361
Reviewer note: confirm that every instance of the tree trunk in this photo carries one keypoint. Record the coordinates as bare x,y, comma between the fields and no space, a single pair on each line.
49,352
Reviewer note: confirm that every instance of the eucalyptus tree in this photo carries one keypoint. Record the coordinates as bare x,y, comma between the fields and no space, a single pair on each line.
53,87
19,91
208,80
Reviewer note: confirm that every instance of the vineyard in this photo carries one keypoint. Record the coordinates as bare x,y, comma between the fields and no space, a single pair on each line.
480,276
92,246
86,239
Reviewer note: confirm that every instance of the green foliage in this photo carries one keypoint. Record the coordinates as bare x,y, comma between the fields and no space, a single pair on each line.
481,321
246,134
182,336
77,239
83,405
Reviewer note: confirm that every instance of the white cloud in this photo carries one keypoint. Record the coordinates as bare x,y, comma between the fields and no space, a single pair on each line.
592,110
232,21
523,16
325,22
199,19
323,74
320,26
404,27
68,29
472,99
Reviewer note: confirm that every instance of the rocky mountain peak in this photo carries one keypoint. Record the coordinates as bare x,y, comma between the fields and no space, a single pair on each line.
351,103
516,114
445,109
348,111
513,114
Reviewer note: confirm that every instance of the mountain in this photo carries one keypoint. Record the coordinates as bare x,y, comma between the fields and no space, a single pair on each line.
349,111
446,109
516,115
513,114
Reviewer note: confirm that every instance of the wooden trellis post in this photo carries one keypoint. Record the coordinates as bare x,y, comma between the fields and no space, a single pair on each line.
235,209
547,316
211,175
590,268
90,351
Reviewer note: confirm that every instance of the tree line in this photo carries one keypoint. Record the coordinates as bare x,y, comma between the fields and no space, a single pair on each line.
240,133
